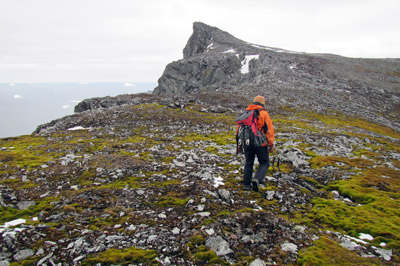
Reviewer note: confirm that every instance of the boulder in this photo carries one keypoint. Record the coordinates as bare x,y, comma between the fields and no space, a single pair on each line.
219,245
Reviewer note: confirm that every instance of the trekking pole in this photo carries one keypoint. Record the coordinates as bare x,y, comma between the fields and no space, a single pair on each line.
276,157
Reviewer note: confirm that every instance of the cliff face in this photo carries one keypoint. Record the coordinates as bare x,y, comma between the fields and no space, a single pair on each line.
214,60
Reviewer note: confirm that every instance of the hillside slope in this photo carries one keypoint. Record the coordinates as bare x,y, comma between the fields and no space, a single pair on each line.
159,183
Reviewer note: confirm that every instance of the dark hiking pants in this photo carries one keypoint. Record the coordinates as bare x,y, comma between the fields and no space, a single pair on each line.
263,159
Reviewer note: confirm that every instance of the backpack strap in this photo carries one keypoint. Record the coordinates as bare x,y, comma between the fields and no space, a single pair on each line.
256,114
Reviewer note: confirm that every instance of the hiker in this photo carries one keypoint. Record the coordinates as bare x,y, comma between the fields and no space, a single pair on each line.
264,124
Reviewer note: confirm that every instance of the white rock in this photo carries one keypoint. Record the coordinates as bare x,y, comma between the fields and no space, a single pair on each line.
23,205
336,194
299,228
152,238
131,227
258,262
347,243
14,222
40,262
166,262
178,163
269,195
366,236
113,238
289,247
23,254
210,231
219,246
176,231
200,207
386,254
79,258
218,181
140,192
190,160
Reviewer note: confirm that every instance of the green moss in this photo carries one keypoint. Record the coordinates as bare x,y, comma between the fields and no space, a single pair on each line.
9,214
133,182
377,219
224,213
207,257
168,159
26,262
136,139
294,124
309,180
340,162
327,252
212,149
126,153
123,257
24,152
340,120
171,201
223,138
166,183
193,137
86,178
207,221
197,239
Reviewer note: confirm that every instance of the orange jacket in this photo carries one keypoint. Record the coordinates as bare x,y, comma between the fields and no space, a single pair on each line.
263,118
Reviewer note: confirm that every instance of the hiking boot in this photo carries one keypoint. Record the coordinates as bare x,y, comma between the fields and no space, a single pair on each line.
255,184
247,187
262,184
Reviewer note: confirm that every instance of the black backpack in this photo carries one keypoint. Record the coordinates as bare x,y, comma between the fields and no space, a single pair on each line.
248,135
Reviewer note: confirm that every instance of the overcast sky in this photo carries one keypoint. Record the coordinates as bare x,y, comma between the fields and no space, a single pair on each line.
132,40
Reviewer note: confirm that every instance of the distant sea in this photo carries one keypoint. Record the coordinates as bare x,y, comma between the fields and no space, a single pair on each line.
24,106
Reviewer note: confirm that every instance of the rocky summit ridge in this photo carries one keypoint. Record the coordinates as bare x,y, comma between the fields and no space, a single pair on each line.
154,179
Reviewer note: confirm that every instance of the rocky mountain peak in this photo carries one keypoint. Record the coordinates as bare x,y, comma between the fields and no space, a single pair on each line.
204,37
214,60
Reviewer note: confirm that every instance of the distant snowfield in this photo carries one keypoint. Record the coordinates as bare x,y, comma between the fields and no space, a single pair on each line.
278,50
77,128
246,61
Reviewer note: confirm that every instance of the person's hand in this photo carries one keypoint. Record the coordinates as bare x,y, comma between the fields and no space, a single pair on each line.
271,148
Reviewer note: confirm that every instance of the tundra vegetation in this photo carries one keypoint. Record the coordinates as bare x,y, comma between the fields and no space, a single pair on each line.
151,184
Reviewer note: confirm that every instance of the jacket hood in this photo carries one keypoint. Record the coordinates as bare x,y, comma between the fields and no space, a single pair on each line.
255,106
